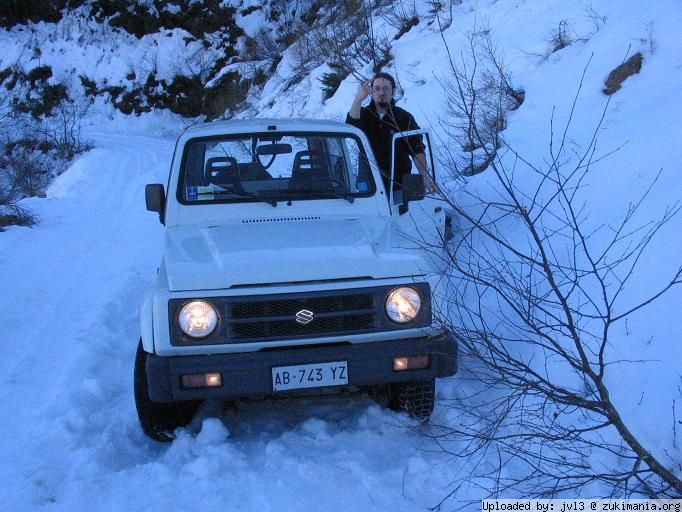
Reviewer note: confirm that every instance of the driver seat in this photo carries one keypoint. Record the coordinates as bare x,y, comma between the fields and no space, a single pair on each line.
310,172
224,172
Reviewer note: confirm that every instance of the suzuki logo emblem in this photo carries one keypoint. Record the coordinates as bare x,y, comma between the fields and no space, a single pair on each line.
304,316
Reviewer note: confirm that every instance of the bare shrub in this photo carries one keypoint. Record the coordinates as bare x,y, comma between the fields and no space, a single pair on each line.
650,40
16,215
441,11
61,130
22,174
479,96
598,20
40,123
560,37
265,46
401,15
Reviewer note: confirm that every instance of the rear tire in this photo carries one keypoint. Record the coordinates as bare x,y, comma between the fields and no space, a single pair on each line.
416,398
158,420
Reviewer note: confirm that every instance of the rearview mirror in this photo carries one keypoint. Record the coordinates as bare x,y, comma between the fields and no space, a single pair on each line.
274,149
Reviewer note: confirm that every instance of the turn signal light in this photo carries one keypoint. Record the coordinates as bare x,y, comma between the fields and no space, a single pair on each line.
202,380
401,364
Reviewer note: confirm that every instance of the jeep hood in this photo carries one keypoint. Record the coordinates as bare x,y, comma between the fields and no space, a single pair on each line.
251,253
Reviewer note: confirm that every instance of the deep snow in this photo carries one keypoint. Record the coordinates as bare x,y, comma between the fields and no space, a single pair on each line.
69,438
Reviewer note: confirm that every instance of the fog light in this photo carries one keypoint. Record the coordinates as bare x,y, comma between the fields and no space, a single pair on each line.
202,380
401,364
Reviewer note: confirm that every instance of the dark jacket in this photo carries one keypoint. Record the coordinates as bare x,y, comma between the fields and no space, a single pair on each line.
380,134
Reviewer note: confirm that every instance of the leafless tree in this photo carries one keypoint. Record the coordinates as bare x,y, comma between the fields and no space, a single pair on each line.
535,297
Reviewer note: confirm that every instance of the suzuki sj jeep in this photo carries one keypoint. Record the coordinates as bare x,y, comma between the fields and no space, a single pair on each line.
289,269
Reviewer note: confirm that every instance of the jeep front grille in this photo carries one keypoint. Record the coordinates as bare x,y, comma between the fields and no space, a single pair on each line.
291,316
334,314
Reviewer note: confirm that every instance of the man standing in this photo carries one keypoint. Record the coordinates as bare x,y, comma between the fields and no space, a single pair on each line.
380,120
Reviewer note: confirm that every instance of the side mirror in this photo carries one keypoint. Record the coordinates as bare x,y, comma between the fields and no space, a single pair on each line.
155,197
413,190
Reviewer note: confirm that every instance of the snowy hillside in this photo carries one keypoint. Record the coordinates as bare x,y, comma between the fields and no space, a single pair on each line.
72,283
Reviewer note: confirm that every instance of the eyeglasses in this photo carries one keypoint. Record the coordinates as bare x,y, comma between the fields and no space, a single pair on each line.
385,88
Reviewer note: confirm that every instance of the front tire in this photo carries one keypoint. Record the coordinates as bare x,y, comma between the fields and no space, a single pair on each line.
416,398
158,420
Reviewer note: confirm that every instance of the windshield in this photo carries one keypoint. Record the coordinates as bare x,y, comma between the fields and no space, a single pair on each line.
274,167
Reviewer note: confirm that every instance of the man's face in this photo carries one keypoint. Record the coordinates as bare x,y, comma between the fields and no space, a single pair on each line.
382,92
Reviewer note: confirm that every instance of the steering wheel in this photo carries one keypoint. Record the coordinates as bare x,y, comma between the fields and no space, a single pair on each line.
266,167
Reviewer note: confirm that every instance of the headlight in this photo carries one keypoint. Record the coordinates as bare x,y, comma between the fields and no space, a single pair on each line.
403,305
197,319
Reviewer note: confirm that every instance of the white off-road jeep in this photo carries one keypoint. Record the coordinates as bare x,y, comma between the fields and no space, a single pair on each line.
288,270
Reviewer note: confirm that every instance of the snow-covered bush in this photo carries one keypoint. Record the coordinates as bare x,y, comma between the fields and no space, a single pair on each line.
149,17
13,12
40,122
346,41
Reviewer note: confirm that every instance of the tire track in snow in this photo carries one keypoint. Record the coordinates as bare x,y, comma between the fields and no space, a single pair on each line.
85,258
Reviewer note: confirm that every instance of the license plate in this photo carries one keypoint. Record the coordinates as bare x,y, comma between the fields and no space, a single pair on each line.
310,376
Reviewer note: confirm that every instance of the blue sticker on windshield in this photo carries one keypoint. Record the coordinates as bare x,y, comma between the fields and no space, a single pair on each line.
361,186
191,193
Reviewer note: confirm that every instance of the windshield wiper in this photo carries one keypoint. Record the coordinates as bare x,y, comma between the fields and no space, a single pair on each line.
259,197
317,193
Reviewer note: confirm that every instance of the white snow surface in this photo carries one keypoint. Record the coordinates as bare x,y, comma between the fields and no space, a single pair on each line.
71,285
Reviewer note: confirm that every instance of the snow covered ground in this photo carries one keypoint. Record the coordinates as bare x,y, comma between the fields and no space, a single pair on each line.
71,285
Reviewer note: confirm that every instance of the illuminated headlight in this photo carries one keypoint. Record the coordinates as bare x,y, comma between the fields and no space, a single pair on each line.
403,305
197,319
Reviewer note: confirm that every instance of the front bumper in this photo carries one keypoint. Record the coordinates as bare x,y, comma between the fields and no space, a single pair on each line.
250,374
